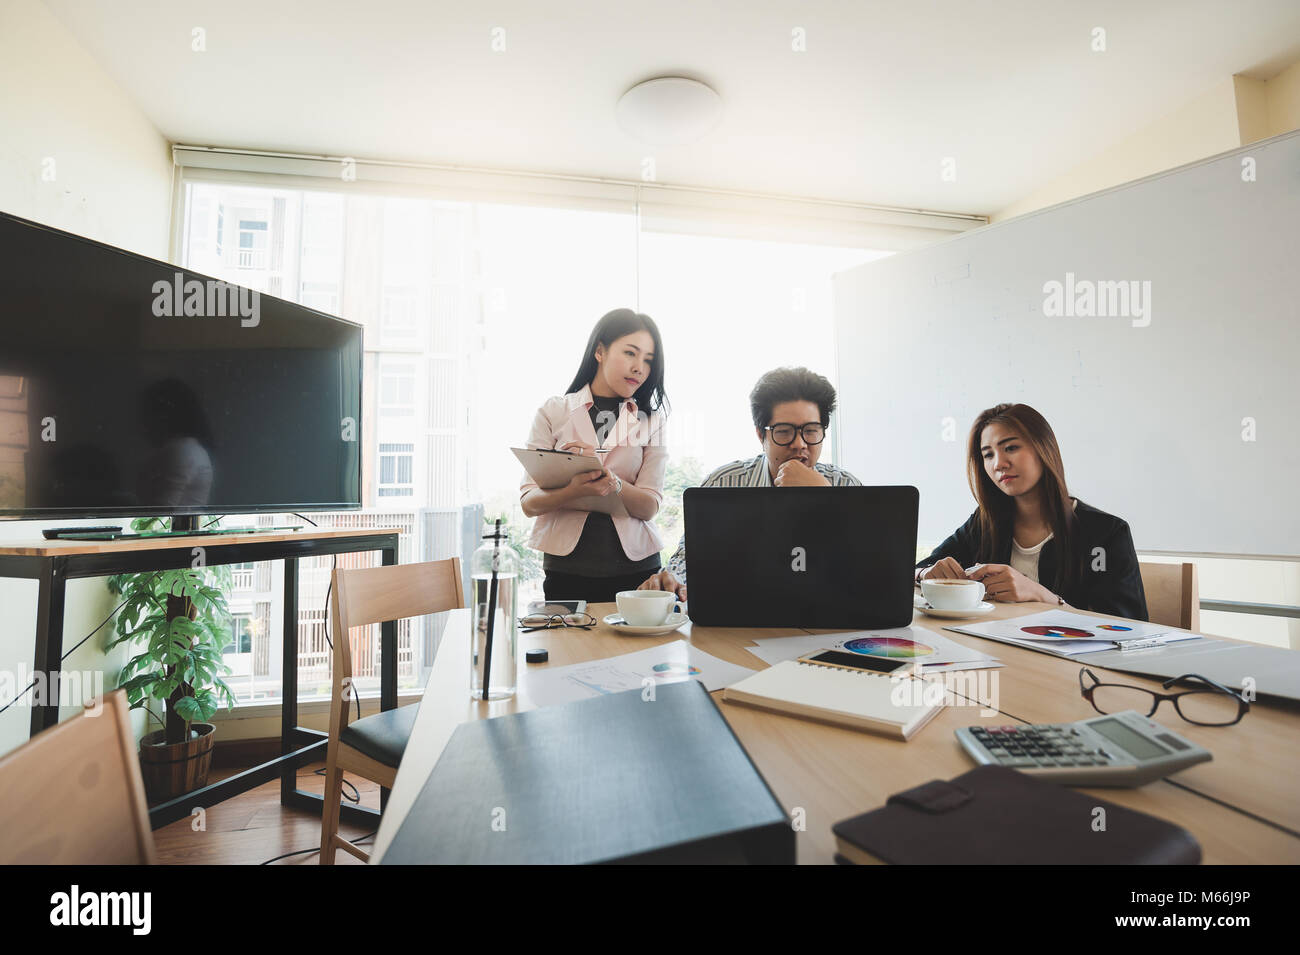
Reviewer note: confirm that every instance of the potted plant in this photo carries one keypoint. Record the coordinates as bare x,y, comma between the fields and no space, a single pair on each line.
180,617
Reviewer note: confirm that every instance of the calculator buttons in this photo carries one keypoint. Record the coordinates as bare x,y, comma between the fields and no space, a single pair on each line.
1071,754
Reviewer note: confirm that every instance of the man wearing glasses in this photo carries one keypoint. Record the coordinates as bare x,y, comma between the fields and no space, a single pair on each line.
792,410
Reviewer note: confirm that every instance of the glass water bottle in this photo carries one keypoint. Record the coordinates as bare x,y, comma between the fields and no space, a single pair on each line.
494,637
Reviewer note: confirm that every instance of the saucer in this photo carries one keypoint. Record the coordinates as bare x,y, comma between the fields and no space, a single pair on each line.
923,605
615,620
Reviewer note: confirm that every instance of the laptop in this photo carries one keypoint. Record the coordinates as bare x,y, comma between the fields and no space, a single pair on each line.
821,558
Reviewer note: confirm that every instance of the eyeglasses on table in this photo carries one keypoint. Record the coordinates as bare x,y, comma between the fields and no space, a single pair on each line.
1212,704
556,621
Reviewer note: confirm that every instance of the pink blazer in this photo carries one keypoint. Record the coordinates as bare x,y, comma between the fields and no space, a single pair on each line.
638,455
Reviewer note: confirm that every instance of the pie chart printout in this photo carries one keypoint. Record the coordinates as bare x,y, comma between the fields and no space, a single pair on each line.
1058,632
675,669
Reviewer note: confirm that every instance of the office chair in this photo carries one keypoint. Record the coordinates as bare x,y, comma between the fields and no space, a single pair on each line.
73,795
372,747
1173,594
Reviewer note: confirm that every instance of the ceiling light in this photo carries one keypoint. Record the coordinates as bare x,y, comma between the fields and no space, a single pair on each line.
669,111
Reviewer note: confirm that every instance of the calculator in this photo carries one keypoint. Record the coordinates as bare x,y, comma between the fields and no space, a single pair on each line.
1120,749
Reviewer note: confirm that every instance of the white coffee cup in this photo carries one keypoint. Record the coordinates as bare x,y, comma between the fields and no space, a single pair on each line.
645,608
953,594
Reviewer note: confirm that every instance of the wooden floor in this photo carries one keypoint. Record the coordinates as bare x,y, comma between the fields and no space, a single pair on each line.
253,827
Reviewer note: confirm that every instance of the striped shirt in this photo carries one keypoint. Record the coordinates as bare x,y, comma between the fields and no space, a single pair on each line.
752,473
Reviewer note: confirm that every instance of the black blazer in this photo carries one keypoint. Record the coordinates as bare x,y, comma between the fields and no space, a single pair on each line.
1116,589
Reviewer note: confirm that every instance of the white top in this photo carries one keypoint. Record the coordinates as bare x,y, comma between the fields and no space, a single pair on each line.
1025,560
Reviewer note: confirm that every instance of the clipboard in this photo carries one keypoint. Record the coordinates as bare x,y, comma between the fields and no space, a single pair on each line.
554,469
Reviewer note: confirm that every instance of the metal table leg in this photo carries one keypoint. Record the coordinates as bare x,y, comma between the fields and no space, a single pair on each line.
48,658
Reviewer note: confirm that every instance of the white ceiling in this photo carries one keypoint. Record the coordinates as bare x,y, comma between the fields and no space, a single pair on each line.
884,91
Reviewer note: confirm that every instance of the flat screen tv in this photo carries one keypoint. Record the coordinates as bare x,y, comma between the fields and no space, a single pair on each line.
131,387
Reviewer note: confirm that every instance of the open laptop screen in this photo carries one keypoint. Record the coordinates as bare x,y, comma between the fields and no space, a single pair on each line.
821,558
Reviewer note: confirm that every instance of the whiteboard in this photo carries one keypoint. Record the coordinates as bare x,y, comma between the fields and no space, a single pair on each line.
1184,421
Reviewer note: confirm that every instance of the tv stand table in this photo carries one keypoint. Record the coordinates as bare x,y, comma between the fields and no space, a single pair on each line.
53,563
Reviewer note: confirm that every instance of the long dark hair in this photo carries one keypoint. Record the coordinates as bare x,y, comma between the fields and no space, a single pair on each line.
997,510
611,327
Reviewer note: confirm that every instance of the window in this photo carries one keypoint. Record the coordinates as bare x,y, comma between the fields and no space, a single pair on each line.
252,244
399,318
405,270
397,390
243,576
396,470
242,630
443,470
703,291
476,312
322,296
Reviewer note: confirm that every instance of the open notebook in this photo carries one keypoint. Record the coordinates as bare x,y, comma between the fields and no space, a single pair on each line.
876,702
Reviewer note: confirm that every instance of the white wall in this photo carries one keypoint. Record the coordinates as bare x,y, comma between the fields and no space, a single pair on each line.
1203,126
76,154
111,167
1235,111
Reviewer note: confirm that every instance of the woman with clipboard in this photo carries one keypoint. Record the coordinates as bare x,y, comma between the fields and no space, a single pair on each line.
614,411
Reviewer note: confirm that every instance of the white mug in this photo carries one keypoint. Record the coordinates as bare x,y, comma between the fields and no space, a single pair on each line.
953,594
645,608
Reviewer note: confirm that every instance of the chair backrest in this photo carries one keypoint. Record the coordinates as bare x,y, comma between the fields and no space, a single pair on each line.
366,595
72,794
1173,595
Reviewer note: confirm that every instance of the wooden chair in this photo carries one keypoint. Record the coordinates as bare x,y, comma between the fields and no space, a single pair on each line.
372,746
1173,595
72,794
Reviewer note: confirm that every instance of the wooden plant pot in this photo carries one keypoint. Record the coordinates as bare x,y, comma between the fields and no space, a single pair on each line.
173,769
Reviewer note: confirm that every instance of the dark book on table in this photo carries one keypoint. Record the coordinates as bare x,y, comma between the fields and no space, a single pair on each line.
617,778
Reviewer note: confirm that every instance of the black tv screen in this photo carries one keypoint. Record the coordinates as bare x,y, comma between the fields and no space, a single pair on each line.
132,387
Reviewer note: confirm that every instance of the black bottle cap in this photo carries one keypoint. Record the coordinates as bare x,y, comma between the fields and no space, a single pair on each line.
539,655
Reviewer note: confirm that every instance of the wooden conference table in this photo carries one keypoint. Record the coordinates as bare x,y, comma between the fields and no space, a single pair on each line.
1243,807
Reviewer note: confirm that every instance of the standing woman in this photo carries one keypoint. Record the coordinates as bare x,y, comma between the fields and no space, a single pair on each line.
615,401
1028,539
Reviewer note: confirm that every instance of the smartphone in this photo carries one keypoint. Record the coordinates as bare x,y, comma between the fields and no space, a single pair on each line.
844,660
556,607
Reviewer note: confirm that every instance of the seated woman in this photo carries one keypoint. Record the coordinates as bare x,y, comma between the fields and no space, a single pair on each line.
616,402
1028,539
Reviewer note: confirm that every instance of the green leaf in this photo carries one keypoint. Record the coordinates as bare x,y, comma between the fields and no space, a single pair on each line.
189,709
200,707
140,682
190,582
183,628
175,652
229,694
138,663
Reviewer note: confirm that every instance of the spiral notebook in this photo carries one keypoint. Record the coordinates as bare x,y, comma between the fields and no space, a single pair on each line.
891,705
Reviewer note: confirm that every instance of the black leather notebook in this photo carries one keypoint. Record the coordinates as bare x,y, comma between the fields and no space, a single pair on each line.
996,816
612,779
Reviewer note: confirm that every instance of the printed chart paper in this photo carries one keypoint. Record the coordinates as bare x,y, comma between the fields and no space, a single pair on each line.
1068,634
667,663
